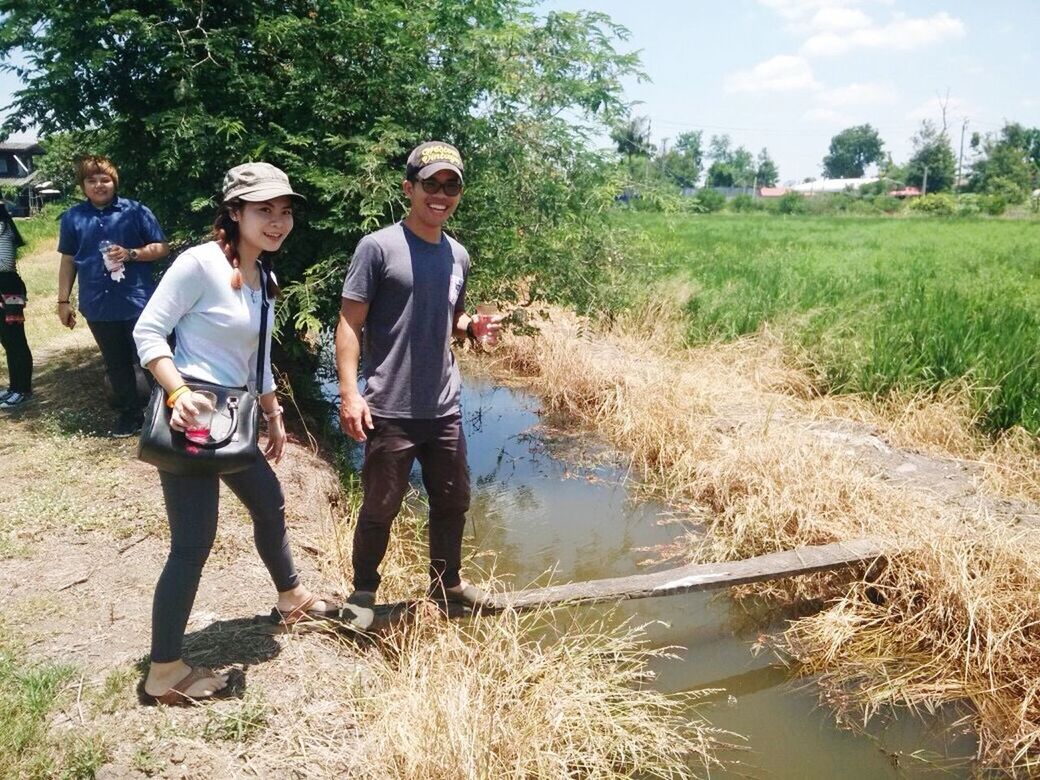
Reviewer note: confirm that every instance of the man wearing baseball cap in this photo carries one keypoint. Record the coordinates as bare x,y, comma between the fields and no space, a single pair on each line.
403,300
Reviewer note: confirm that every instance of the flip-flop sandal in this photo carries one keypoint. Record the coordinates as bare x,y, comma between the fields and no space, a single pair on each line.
305,614
176,696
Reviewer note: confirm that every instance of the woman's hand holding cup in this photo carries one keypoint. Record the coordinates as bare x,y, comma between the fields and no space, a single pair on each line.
193,411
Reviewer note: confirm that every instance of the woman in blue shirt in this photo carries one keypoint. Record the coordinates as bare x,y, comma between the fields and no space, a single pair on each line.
110,299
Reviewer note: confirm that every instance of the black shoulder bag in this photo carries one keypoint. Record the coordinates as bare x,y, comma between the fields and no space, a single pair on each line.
234,432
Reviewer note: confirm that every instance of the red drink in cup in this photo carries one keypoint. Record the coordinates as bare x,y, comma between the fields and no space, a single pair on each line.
206,403
487,313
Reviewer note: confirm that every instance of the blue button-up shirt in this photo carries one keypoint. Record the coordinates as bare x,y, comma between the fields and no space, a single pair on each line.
124,222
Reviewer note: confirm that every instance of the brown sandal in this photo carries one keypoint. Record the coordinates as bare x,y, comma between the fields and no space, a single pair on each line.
304,613
176,696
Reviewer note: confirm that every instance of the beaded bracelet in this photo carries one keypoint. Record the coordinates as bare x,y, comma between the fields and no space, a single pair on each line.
172,399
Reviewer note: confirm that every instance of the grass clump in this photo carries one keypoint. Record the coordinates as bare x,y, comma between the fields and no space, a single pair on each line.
520,695
30,695
951,620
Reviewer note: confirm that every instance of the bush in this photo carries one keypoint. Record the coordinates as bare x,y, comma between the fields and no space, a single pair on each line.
791,203
994,205
743,203
886,203
710,200
938,205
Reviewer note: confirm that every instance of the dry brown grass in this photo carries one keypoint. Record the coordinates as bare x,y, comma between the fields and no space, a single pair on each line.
722,432
521,696
505,695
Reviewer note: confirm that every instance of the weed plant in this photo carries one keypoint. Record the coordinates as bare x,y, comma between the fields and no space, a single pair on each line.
875,305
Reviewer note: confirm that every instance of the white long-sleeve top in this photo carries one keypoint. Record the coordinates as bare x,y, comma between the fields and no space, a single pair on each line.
217,327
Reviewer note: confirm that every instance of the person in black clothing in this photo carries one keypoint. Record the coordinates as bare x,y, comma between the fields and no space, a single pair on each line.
13,298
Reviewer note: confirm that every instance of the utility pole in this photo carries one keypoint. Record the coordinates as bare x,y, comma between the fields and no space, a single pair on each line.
924,184
646,168
664,151
960,159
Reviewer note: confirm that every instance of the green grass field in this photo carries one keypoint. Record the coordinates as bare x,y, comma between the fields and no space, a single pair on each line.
875,304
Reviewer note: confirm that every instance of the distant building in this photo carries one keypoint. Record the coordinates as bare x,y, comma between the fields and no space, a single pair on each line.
831,186
19,180
772,192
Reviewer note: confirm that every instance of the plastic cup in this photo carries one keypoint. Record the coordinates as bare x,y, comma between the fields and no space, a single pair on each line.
206,403
486,314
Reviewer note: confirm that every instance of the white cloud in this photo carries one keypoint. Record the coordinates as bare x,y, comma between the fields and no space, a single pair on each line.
802,10
901,34
783,73
854,95
831,18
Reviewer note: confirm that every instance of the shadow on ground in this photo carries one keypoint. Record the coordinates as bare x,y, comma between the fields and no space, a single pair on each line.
71,394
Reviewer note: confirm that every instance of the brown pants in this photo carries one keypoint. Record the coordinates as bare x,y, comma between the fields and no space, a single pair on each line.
393,445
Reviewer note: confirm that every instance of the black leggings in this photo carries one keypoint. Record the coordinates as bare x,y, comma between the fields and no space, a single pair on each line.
12,332
191,507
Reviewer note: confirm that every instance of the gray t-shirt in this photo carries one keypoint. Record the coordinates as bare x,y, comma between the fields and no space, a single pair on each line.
414,289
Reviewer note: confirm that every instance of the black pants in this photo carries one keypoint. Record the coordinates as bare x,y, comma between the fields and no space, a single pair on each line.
392,446
115,339
12,332
191,508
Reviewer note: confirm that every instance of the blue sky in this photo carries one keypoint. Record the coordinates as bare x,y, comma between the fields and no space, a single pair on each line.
789,74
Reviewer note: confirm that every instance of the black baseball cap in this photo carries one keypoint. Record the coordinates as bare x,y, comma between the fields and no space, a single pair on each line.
428,158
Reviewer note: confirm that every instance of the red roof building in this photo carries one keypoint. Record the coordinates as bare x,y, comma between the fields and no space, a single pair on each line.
906,192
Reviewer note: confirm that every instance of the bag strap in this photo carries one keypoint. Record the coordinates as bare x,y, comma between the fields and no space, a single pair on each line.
262,346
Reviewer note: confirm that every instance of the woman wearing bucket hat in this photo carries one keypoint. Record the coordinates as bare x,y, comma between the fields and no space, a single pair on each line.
212,298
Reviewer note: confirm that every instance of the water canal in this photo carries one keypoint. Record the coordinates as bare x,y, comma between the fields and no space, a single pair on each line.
541,511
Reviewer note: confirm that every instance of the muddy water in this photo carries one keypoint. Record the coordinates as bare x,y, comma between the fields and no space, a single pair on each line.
543,513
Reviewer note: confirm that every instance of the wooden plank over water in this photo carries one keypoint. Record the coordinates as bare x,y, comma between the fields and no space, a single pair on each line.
701,576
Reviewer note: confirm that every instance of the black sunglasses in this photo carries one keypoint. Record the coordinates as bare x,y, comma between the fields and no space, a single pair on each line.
451,188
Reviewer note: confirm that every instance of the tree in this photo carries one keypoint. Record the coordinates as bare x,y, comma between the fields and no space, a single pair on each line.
1009,164
682,163
729,168
932,159
851,151
768,174
336,93
633,138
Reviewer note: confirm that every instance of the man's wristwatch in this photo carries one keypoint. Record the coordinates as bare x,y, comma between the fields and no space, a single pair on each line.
469,331
133,254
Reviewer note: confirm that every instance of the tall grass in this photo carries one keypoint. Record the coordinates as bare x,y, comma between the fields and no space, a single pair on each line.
875,305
